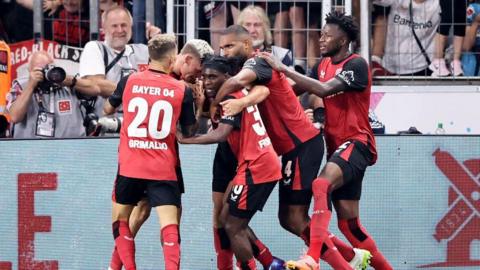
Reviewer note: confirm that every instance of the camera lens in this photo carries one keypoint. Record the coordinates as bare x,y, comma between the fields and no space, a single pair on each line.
55,74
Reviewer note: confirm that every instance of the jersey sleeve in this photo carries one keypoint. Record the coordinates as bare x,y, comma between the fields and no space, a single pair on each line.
234,120
354,74
187,116
261,68
91,60
116,98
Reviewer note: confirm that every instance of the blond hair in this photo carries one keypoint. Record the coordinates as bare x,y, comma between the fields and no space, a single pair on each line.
260,13
198,48
161,46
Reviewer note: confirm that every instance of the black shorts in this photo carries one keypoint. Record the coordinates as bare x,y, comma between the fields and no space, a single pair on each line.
224,167
130,191
181,185
353,158
245,200
299,168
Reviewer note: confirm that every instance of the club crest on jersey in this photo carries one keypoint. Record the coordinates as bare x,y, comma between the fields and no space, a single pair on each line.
322,74
347,76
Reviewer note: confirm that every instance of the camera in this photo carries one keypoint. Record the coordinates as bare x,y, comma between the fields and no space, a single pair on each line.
54,74
110,124
99,126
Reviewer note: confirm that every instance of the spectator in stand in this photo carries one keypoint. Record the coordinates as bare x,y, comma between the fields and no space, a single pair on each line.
17,18
105,63
453,13
471,43
104,5
294,13
255,20
221,14
410,43
41,109
379,36
70,22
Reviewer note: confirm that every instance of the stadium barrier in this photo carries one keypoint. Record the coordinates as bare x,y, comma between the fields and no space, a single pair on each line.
420,202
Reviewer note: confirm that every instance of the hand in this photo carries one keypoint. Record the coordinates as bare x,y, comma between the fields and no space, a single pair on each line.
214,113
198,93
36,76
309,114
232,106
273,61
179,136
51,6
151,30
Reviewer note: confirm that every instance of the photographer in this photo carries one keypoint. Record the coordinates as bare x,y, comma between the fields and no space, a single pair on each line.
45,105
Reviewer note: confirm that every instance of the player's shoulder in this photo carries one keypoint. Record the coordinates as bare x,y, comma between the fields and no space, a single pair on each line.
356,60
254,62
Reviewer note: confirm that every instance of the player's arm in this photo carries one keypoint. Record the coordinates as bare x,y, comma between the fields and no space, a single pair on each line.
257,94
188,121
115,100
243,79
354,76
217,135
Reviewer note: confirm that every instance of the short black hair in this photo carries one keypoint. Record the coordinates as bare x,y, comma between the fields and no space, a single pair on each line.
222,64
236,29
345,22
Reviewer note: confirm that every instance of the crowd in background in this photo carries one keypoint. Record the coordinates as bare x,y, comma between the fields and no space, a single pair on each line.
408,37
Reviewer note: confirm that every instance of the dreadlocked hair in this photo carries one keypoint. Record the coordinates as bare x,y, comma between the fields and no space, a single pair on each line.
345,22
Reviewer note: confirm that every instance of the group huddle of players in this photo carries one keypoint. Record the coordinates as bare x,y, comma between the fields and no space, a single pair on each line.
257,117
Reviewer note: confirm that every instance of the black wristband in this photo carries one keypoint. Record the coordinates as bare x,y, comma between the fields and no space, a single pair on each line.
74,80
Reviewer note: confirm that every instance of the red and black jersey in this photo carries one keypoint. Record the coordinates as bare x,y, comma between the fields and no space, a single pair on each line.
285,118
346,112
153,104
257,161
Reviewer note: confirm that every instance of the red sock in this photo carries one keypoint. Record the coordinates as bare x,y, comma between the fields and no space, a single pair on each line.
320,217
248,265
124,244
115,262
306,235
358,237
223,249
331,255
262,253
345,249
171,246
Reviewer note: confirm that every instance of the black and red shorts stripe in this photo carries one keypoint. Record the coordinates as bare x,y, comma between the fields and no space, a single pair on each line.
353,158
245,200
299,168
